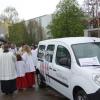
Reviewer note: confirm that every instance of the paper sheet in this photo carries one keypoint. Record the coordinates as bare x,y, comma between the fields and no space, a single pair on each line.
89,61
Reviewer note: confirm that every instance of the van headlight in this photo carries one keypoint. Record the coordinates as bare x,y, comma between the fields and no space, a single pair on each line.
96,78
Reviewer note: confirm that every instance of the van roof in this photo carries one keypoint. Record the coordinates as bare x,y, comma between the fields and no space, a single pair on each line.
72,40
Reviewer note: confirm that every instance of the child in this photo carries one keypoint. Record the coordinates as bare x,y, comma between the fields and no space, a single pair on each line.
21,82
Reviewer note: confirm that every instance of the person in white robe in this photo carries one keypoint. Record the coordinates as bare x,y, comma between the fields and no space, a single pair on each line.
13,48
34,55
21,81
7,71
30,67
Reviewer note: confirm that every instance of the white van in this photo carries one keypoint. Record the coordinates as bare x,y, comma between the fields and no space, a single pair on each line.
71,66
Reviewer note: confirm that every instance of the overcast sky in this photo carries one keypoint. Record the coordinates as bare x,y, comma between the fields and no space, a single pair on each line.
28,9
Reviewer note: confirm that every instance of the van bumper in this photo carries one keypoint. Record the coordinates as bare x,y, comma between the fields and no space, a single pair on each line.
94,96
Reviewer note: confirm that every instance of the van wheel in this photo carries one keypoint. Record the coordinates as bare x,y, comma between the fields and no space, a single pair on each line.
81,95
40,80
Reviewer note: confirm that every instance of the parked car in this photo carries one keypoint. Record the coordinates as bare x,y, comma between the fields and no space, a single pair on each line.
71,66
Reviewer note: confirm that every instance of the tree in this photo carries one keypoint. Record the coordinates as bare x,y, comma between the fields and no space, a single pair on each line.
30,32
18,33
35,31
67,20
9,15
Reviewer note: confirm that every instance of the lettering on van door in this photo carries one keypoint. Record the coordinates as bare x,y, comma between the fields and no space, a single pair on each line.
62,77
44,68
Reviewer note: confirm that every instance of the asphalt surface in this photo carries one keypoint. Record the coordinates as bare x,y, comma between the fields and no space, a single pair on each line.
34,94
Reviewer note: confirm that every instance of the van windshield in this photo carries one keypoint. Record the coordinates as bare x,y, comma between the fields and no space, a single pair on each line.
87,54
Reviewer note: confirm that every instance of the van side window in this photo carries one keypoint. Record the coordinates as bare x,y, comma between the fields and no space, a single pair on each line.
40,53
49,53
63,57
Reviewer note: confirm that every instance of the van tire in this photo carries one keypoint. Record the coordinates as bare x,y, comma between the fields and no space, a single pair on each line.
40,80
81,95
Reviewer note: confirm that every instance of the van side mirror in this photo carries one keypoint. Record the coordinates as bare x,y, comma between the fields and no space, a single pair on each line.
65,62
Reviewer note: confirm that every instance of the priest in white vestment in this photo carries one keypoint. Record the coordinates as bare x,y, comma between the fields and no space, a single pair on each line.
7,71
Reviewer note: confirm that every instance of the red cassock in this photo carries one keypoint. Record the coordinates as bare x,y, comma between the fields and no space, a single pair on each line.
21,82
30,77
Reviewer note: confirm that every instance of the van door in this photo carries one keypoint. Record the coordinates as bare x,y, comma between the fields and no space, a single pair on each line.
48,61
62,70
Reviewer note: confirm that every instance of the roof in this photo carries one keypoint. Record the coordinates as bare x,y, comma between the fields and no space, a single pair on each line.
72,40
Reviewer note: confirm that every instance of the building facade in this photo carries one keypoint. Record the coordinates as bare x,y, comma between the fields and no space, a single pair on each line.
38,27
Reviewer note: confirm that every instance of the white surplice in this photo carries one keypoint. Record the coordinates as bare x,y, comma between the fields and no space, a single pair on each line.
20,67
28,59
7,66
34,54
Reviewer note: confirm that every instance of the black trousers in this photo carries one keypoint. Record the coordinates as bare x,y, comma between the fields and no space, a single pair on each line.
8,86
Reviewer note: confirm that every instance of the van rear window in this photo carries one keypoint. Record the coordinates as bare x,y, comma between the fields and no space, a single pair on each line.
49,53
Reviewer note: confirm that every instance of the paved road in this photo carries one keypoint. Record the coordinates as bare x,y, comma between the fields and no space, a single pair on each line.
34,94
